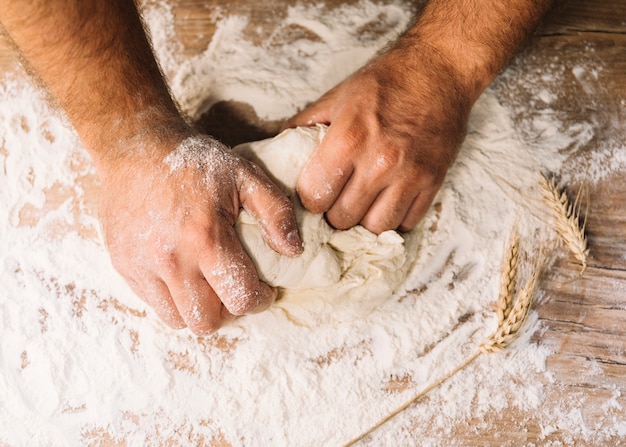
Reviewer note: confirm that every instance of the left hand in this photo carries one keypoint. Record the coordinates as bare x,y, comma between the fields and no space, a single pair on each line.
395,127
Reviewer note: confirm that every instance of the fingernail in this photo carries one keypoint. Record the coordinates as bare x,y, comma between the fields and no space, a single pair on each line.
275,294
295,243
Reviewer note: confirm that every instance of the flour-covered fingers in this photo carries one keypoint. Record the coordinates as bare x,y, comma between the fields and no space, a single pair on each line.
272,210
353,203
155,292
326,173
232,275
389,209
197,303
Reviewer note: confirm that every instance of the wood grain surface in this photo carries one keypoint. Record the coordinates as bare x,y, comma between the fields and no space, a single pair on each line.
584,321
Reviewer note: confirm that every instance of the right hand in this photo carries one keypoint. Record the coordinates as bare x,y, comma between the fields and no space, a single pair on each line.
168,219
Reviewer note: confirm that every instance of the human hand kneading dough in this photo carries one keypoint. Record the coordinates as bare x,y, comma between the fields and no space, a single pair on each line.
397,123
392,136
170,196
173,237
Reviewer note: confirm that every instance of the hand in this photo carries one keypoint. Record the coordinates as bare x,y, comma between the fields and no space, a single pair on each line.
395,128
168,222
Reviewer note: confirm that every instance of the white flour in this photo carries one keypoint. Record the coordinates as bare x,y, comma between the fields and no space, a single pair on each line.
83,361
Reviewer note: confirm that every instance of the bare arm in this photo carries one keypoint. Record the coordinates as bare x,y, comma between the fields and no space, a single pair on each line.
398,122
476,38
95,58
170,196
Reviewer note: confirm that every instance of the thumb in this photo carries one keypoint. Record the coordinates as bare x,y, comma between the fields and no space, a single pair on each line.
272,210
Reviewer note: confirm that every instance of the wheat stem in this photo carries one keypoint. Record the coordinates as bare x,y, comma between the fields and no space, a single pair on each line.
512,311
509,329
421,394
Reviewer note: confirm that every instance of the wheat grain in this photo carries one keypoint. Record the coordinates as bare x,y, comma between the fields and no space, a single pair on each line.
567,219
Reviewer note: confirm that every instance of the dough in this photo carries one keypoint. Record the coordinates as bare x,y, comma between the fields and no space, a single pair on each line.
334,263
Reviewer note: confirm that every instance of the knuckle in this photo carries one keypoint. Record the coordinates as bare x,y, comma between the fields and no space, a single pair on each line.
387,161
249,172
244,303
352,139
166,264
313,198
388,164
431,166
250,302
341,218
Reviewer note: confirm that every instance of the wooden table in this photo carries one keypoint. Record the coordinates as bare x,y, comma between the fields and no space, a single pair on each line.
584,321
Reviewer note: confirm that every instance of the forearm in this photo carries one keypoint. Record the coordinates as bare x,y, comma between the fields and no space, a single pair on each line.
95,58
476,37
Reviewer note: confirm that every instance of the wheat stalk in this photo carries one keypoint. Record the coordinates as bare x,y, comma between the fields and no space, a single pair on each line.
513,310
567,218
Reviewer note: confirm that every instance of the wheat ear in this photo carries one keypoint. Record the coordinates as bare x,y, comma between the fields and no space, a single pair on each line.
567,218
509,329
508,278
512,314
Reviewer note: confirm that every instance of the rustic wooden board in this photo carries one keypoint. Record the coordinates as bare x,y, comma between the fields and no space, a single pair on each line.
584,321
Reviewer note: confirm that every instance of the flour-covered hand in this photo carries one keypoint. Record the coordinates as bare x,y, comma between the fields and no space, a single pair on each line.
170,196
168,222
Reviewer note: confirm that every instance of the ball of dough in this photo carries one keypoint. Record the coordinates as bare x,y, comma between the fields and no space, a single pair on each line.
335,263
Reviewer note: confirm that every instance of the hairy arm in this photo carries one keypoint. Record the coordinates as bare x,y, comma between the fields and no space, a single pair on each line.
170,196
96,60
397,123
476,37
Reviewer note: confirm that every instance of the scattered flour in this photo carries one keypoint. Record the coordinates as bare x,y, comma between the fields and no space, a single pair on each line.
85,362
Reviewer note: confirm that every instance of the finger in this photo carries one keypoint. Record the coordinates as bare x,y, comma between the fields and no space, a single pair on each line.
353,203
232,275
388,210
158,296
196,302
328,170
272,210
418,209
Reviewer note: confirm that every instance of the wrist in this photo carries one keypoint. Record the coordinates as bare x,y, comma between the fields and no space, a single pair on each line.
432,79
468,72
477,38
146,135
